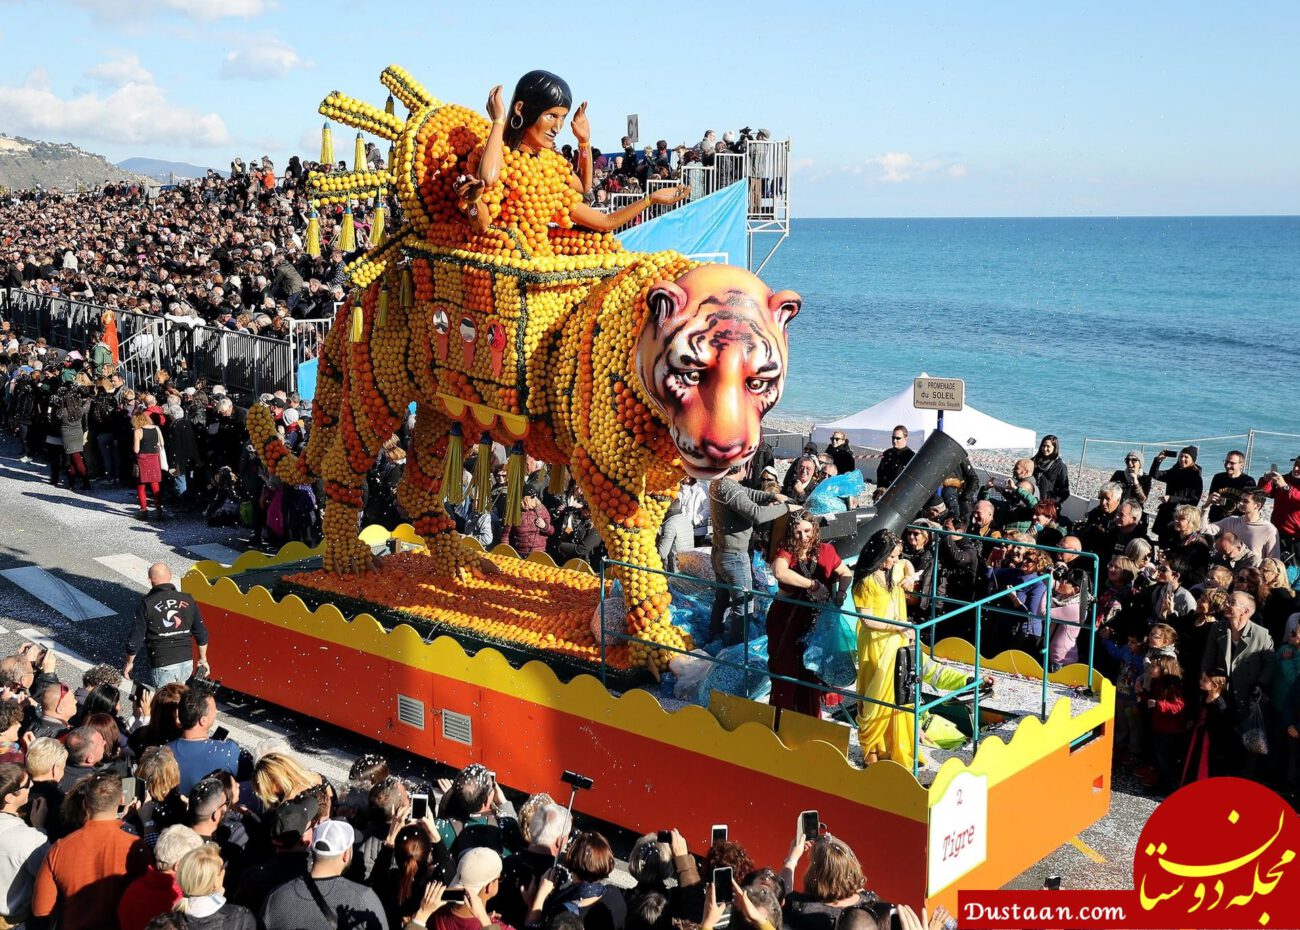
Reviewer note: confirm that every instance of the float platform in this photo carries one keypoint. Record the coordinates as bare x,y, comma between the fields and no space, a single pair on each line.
981,819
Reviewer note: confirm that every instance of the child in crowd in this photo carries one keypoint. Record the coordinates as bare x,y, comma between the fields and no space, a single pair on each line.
1164,704
1128,718
1214,737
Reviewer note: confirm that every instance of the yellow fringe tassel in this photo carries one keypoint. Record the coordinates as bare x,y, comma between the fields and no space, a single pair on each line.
359,159
358,321
559,480
516,466
326,146
313,235
348,234
377,227
482,479
453,467
381,314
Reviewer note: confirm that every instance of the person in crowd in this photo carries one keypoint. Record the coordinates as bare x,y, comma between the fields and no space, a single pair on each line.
834,882
591,896
880,581
1132,480
1214,739
163,805
1096,529
1067,622
47,758
548,831
1172,603
209,815
160,726
1050,472
289,828
200,873
166,621
1186,541
1130,525
1227,486
417,858
478,876
802,478
1046,528
196,754
736,510
1023,628
841,452
23,843
535,526
150,455
474,811
894,459
85,750
1247,523
1231,553
85,874
1163,697
156,891
278,777
918,551
1183,485
1014,511
809,571
1284,490
1244,650
1280,601
323,899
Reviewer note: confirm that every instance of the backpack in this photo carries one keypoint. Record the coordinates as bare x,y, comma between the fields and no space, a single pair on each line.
24,410
102,408
69,408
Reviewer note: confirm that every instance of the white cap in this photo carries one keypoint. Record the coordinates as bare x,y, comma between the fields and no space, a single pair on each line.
333,838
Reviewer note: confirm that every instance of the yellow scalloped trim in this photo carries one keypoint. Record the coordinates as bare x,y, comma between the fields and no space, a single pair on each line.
816,764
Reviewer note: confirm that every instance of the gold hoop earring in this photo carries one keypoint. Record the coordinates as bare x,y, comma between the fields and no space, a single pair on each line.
520,124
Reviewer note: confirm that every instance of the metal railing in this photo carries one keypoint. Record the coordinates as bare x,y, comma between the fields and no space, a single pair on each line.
1254,443
147,343
916,706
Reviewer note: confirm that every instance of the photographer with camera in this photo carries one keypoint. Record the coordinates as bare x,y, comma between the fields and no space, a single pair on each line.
475,812
1227,485
522,874
600,904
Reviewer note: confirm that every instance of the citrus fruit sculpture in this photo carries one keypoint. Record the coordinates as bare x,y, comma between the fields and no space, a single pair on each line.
628,369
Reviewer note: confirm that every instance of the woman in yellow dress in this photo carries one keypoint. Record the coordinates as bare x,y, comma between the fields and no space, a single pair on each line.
881,582
880,591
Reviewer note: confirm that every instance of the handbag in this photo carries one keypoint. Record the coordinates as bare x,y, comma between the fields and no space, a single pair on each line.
1251,728
905,677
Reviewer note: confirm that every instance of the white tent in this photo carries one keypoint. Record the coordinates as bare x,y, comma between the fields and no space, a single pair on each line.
872,427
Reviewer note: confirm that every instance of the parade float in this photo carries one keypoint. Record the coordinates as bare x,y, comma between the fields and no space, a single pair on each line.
490,309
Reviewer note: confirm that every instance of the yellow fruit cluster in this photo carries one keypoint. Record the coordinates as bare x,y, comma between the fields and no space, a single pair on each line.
361,115
325,189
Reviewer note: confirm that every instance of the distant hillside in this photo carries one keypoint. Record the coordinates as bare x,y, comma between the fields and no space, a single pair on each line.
26,163
164,171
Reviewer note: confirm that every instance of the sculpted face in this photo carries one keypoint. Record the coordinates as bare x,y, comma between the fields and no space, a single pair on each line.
712,358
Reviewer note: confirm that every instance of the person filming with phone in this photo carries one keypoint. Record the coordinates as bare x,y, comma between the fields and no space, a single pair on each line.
165,622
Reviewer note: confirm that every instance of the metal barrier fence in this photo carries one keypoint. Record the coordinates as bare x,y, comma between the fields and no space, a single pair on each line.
913,703
146,343
1266,446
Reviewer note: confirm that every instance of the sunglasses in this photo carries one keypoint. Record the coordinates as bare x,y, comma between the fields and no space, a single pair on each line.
899,438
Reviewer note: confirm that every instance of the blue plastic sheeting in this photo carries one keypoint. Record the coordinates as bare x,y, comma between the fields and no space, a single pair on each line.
714,224
307,380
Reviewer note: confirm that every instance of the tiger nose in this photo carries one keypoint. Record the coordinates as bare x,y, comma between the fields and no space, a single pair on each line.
719,452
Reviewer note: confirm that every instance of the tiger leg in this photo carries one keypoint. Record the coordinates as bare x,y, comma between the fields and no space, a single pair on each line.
420,493
344,553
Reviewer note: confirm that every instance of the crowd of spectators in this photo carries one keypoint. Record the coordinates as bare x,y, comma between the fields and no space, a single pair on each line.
142,814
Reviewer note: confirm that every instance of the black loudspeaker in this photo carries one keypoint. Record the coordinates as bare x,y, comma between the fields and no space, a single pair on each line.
938,459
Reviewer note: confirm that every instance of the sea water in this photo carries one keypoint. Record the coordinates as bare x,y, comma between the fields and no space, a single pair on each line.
1145,328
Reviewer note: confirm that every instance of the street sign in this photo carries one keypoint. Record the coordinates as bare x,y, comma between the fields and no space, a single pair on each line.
633,128
938,393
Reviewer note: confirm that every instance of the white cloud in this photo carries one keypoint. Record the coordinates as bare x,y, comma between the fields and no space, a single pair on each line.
902,167
201,10
119,70
262,58
138,112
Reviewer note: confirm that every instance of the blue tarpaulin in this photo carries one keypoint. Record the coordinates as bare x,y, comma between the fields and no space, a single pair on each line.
307,380
715,224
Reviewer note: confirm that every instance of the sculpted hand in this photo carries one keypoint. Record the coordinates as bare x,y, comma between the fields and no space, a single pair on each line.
581,127
496,107
667,195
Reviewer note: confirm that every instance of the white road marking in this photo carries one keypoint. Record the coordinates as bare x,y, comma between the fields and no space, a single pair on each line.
215,551
129,566
57,593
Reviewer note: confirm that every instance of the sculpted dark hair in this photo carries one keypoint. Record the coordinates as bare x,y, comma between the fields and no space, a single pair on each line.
538,91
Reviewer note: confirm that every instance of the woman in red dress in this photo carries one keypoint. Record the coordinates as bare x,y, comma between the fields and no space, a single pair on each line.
806,569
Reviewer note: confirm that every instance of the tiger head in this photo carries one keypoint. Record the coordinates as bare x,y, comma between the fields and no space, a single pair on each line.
712,358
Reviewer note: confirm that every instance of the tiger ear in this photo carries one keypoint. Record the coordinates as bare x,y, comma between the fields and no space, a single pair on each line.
785,306
665,300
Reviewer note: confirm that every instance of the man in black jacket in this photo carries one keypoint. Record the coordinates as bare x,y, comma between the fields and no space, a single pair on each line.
165,622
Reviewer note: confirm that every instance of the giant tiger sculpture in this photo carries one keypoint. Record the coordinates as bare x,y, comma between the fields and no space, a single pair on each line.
629,369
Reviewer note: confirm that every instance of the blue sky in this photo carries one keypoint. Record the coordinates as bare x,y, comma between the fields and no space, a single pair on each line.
895,109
